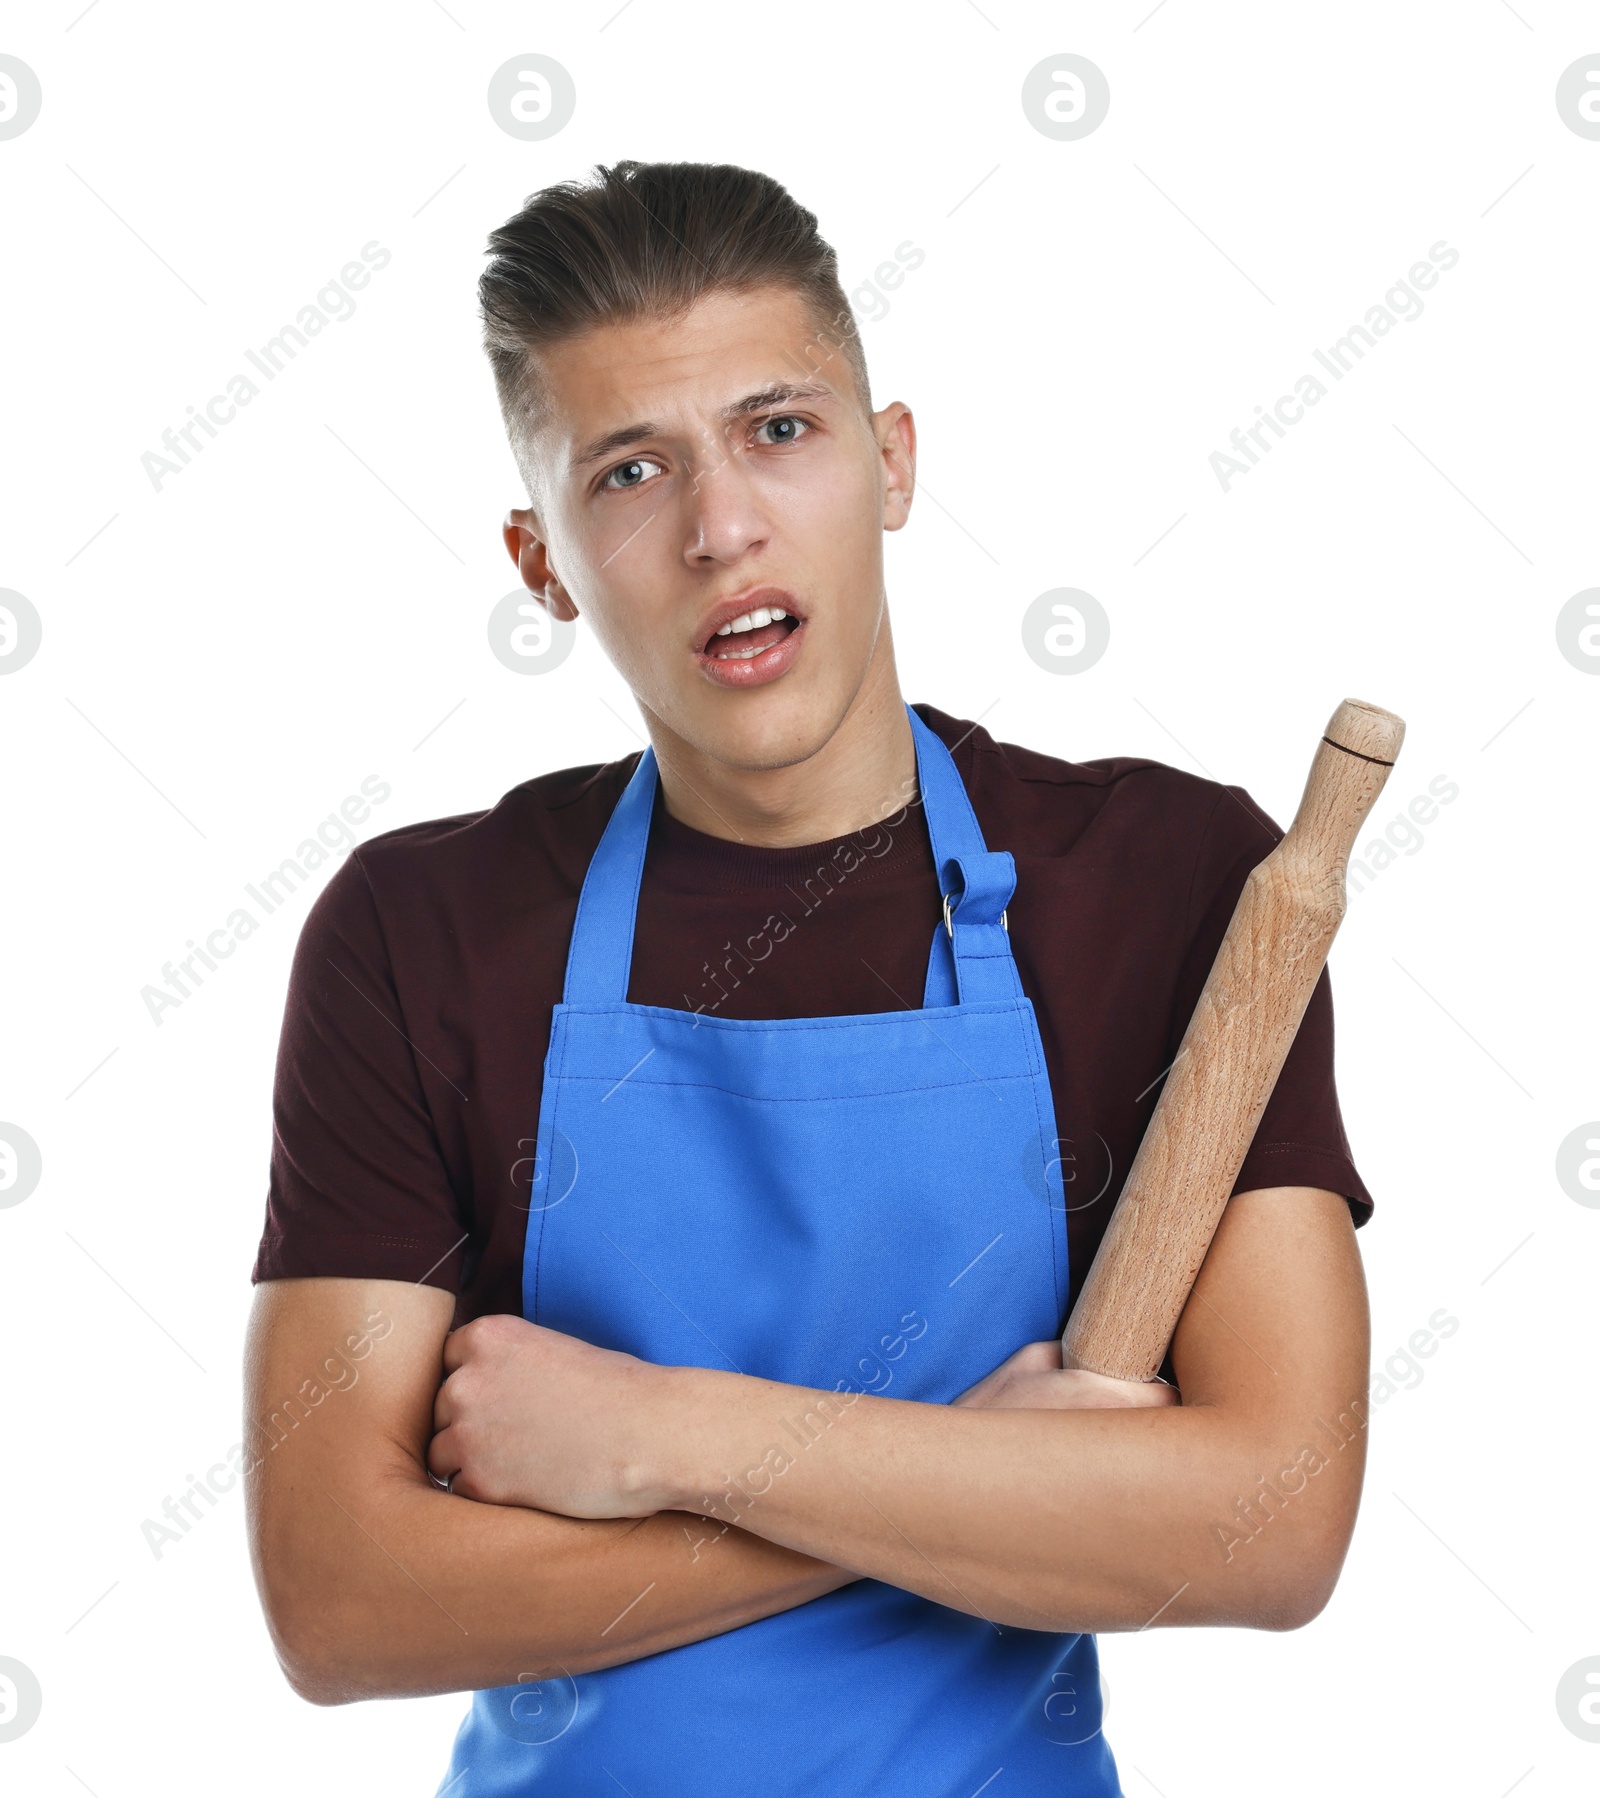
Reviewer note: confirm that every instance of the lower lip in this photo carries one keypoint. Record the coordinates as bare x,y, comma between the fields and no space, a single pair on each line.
756,671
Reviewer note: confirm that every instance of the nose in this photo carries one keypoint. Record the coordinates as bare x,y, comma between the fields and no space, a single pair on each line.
727,518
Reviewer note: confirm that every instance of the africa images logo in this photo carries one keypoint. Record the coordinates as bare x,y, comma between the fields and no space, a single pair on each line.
1403,303
333,304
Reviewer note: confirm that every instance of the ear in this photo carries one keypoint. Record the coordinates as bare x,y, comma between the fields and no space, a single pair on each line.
896,432
524,540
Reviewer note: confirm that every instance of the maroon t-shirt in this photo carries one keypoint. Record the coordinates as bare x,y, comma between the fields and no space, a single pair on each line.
406,1102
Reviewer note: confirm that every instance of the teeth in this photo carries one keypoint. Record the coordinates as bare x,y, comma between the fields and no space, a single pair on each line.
750,621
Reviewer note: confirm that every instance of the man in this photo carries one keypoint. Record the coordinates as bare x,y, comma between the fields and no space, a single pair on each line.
750,1452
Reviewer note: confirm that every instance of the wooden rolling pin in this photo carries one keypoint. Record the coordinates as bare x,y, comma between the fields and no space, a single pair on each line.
1229,1061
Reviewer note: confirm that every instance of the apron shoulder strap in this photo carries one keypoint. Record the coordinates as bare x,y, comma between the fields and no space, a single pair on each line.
601,955
974,961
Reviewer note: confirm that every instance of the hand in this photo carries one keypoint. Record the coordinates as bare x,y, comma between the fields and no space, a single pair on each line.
1033,1379
529,1416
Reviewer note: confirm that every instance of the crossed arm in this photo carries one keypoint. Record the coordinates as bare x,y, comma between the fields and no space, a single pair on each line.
605,1509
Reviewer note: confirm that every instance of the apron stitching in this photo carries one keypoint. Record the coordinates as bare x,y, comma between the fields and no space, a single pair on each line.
544,1210
1029,1027
1032,1036
884,1092
994,1008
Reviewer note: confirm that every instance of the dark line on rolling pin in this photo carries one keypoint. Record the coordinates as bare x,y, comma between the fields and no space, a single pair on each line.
1357,754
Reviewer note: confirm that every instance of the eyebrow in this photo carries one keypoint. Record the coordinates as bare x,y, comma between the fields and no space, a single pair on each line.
764,399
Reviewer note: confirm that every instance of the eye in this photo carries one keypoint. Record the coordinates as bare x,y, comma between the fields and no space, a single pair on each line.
787,428
630,474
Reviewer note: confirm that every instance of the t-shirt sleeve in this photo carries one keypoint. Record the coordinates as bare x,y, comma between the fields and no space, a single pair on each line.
1300,1140
357,1185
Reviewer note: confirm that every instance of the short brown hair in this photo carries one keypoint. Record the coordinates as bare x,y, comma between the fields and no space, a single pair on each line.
646,240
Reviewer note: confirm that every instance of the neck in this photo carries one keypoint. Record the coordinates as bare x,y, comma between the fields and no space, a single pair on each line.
865,771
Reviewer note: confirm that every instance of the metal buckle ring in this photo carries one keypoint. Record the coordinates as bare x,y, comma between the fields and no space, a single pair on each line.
950,928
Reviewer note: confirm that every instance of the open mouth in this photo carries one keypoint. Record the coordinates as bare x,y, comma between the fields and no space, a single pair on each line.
749,648
750,635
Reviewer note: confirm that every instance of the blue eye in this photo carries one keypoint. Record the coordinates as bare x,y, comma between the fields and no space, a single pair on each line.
630,474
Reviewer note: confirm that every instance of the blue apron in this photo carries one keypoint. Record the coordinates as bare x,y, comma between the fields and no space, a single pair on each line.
853,1204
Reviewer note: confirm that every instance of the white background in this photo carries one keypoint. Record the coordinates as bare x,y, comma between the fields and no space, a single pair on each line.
226,659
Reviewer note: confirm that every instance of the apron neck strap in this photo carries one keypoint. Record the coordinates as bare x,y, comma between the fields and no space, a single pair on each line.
601,956
975,881
973,962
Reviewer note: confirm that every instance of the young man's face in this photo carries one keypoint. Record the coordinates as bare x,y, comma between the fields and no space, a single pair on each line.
692,470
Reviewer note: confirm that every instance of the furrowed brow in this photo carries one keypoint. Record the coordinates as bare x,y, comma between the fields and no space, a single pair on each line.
613,441
765,399
776,393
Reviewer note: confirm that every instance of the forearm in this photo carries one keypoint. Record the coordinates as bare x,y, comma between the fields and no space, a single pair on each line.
1044,1519
377,1584
402,1590
1234,1508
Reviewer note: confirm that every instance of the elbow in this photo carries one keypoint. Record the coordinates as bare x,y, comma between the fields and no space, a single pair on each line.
322,1625
1294,1610
1295,1561
1296,1597
337,1642
310,1649
311,1681
331,1624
